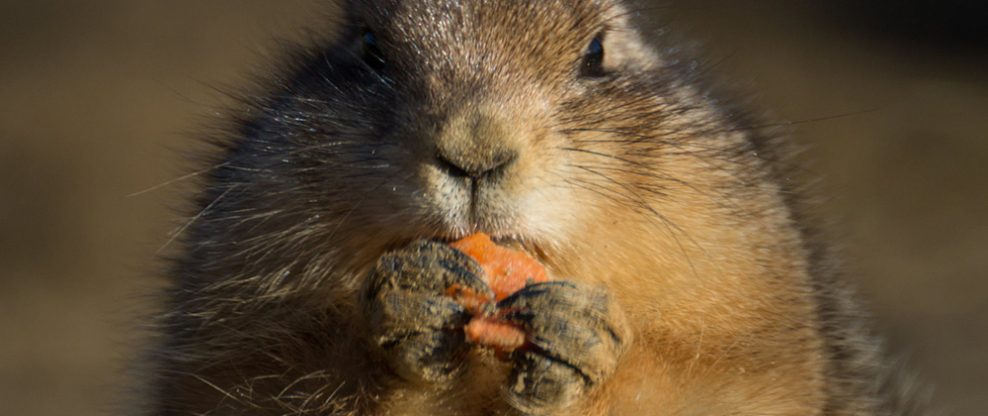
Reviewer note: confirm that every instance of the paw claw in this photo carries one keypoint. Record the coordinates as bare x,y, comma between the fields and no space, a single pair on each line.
540,385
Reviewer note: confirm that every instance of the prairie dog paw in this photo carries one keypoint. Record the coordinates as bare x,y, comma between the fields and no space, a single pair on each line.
577,334
414,325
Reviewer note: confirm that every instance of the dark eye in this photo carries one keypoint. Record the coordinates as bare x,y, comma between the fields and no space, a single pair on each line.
593,58
370,50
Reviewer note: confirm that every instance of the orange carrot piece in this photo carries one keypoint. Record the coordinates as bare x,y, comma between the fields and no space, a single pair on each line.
472,301
507,270
501,336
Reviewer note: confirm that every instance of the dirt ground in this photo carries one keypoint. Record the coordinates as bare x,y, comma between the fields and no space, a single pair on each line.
97,96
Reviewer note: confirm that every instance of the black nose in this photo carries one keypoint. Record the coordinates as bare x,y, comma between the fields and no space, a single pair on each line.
479,164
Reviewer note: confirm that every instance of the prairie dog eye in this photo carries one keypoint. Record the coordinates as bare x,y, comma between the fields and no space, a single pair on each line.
371,51
593,58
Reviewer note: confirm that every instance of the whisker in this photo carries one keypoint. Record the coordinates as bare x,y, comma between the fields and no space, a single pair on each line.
605,155
195,218
178,179
798,122
670,226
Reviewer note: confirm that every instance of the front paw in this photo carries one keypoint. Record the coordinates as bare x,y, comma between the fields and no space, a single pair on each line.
576,336
417,328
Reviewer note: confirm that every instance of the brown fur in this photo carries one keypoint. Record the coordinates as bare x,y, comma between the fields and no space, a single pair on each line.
637,182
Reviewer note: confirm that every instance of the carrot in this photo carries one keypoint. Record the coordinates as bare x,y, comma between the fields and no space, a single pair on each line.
506,271
472,301
490,332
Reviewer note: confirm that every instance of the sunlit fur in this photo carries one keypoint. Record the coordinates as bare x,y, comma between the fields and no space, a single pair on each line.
637,180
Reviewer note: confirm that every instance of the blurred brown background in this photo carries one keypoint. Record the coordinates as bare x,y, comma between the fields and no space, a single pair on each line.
97,96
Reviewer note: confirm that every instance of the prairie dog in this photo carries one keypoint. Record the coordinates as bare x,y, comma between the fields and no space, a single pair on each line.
311,282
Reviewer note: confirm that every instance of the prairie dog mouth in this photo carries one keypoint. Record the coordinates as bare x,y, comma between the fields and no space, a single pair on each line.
514,242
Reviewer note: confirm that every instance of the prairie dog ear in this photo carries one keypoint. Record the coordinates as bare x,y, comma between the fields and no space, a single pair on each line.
360,12
623,42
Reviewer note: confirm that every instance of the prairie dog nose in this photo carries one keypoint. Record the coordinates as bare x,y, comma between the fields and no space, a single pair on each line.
476,145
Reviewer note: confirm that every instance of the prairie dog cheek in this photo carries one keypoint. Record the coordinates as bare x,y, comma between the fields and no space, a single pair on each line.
547,212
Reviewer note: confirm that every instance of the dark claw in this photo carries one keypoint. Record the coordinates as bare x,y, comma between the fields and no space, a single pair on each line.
540,385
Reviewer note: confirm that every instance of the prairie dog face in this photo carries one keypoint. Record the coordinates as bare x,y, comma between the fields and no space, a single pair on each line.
438,119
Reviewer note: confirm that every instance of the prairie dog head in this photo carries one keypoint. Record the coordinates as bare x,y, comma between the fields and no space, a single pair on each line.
437,119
